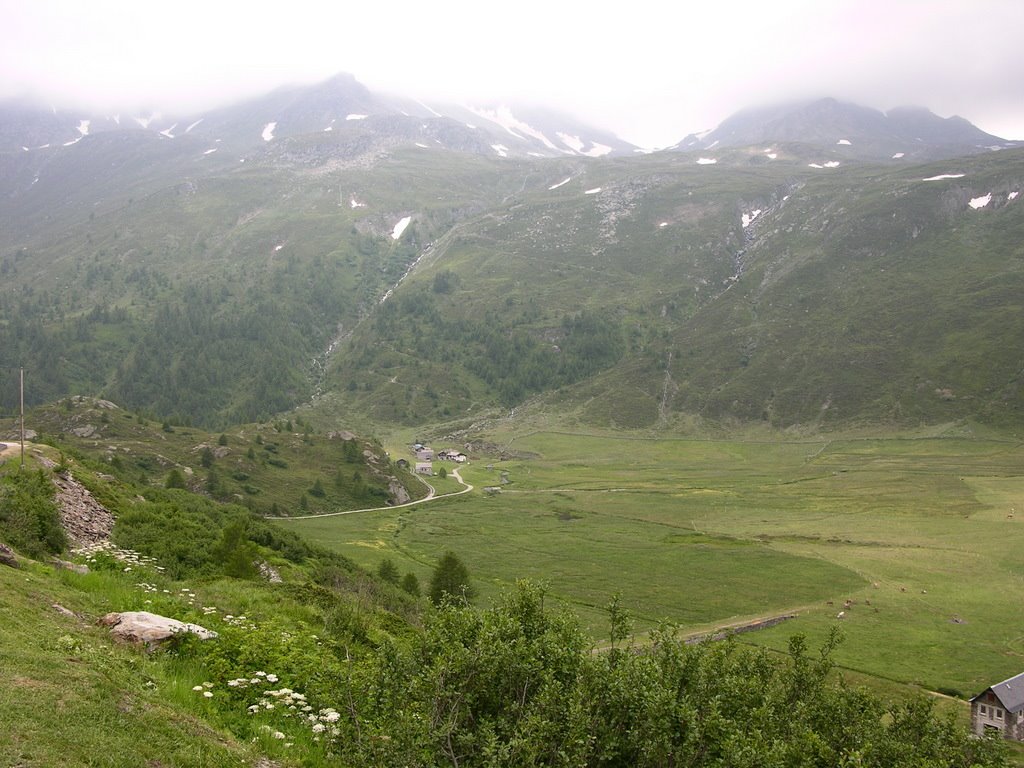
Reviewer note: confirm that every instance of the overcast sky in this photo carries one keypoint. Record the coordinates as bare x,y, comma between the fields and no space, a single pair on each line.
651,72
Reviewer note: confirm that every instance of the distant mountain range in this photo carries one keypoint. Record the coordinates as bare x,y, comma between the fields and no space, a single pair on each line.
351,113
340,107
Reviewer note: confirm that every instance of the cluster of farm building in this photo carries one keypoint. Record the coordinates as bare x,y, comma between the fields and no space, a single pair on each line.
425,457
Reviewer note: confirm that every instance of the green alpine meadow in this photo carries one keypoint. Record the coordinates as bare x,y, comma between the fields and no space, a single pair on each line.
337,429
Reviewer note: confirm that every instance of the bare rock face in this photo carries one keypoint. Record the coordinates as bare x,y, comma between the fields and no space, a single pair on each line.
269,572
397,492
85,520
151,629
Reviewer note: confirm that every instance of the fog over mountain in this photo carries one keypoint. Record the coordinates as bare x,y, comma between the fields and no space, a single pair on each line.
651,75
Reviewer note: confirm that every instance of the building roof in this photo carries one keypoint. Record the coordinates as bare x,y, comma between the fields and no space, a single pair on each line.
1010,693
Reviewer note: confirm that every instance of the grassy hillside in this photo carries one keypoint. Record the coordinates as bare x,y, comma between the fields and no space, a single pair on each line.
282,467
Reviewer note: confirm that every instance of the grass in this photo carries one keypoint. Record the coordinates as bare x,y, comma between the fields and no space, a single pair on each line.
704,533
74,699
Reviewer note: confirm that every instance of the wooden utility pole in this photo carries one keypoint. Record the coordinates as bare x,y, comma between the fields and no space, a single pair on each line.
21,377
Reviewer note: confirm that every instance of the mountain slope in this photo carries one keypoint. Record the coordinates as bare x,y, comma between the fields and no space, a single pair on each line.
781,294
398,267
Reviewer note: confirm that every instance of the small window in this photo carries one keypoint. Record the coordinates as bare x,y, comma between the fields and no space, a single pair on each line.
983,709
998,713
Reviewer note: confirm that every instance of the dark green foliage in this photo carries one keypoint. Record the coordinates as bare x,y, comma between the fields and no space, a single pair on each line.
175,479
318,489
222,440
192,535
411,584
442,473
445,281
352,452
519,686
388,571
206,457
235,553
450,581
29,518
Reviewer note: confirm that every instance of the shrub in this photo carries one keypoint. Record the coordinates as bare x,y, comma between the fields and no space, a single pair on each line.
29,517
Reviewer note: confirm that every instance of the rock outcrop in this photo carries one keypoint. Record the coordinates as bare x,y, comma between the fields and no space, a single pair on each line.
150,629
7,556
85,520
397,492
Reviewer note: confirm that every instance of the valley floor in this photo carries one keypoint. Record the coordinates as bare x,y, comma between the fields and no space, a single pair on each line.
908,545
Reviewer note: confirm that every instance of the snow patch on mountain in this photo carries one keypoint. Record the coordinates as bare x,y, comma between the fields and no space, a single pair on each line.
400,227
942,176
422,146
167,131
748,218
706,161
980,202
844,142
197,122
356,117
576,144
210,151
145,121
898,156
663,225
83,127
593,191
560,184
356,204
268,131
434,112
501,149
503,116
1011,196
832,164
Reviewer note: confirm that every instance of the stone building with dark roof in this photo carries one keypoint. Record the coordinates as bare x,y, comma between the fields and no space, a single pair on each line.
1000,708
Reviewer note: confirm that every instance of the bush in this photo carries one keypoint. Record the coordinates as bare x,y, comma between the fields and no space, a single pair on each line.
29,517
